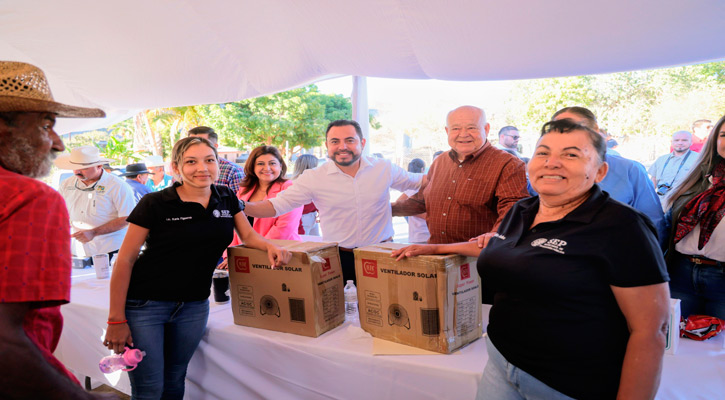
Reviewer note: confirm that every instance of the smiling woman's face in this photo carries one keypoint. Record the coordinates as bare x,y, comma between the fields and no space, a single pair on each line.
565,166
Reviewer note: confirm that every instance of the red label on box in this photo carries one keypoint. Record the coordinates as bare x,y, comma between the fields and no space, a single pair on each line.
465,271
370,268
327,265
241,264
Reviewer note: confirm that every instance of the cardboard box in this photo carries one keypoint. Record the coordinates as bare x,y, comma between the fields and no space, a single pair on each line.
304,297
673,328
431,302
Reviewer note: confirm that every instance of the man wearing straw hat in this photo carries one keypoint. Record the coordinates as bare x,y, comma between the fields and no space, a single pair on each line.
35,259
98,202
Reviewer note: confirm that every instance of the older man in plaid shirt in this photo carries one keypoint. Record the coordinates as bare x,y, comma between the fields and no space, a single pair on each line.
471,187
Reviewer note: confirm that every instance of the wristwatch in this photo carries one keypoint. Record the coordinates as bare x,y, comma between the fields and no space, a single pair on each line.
242,205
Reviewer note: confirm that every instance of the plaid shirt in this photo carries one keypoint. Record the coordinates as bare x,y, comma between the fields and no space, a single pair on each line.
230,175
35,260
469,198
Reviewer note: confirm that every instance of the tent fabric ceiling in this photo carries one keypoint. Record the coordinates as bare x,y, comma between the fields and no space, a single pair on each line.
128,55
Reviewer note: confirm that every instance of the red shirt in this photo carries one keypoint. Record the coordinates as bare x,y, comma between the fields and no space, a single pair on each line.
35,260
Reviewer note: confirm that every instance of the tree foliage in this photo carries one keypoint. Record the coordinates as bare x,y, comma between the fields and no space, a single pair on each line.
640,103
289,120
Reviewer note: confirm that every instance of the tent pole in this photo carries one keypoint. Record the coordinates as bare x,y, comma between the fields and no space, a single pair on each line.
360,112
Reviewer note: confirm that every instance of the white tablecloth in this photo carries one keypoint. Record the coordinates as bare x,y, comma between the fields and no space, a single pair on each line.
234,362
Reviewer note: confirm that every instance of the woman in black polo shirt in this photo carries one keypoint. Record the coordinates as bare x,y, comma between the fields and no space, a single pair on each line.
580,299
696,255
159,299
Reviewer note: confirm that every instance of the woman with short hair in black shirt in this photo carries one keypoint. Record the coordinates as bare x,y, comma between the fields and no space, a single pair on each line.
577,283
580,299
159,299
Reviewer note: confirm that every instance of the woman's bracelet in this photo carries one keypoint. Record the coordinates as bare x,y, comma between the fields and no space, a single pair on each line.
117,322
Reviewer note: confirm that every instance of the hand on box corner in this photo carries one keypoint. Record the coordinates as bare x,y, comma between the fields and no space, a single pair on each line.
482,240
278,256
84,236
412,250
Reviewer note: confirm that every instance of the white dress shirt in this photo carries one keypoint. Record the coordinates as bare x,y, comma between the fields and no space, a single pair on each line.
354,211
109,199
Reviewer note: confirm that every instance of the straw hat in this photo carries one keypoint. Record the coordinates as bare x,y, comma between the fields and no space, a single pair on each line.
81,157
23,87
154,161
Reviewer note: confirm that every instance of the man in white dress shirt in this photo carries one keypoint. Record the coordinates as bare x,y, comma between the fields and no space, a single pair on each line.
351,194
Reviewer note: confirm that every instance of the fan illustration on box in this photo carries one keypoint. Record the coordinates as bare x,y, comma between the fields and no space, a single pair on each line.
268,306
398,316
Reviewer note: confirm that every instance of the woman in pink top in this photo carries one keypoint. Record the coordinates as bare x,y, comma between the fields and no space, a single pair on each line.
265,170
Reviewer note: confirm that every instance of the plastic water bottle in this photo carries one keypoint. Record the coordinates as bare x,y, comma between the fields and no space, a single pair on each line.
351,313
127,361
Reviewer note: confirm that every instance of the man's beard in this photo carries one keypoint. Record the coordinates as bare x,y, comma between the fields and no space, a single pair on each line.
18,159
352,161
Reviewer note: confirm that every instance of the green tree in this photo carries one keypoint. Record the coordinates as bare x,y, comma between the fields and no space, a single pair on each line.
289,120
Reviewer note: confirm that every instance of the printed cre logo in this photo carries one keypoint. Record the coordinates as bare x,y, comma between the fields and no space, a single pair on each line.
241,264
370,268
555,245
326,265
465,271
216,213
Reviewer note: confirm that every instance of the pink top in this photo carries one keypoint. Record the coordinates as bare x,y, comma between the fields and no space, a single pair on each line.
284,226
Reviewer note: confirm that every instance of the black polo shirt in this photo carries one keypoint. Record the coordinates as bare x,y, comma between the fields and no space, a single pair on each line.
554,314
184,244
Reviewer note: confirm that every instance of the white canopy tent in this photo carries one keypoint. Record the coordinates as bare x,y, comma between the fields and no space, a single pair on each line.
123,56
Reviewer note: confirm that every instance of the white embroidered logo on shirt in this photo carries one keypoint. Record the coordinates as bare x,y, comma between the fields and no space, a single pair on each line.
500,236
222,214
556,245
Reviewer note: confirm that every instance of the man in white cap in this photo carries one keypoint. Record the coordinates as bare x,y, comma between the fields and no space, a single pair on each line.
159,180
98,202
35,247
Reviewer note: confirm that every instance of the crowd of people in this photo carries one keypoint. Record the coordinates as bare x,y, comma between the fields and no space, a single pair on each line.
573,240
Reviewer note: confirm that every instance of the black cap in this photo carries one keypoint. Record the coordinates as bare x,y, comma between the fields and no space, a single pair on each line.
135,169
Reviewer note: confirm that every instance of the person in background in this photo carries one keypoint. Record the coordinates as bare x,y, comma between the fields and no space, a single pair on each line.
700,129
308,221
98,202
35,279
627,181
136,176
158,178
508,140
160,298
696,254
584,272
417,226
669,170
264,179
230,174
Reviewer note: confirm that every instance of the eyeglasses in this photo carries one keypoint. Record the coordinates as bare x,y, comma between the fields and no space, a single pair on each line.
88,189
513,137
